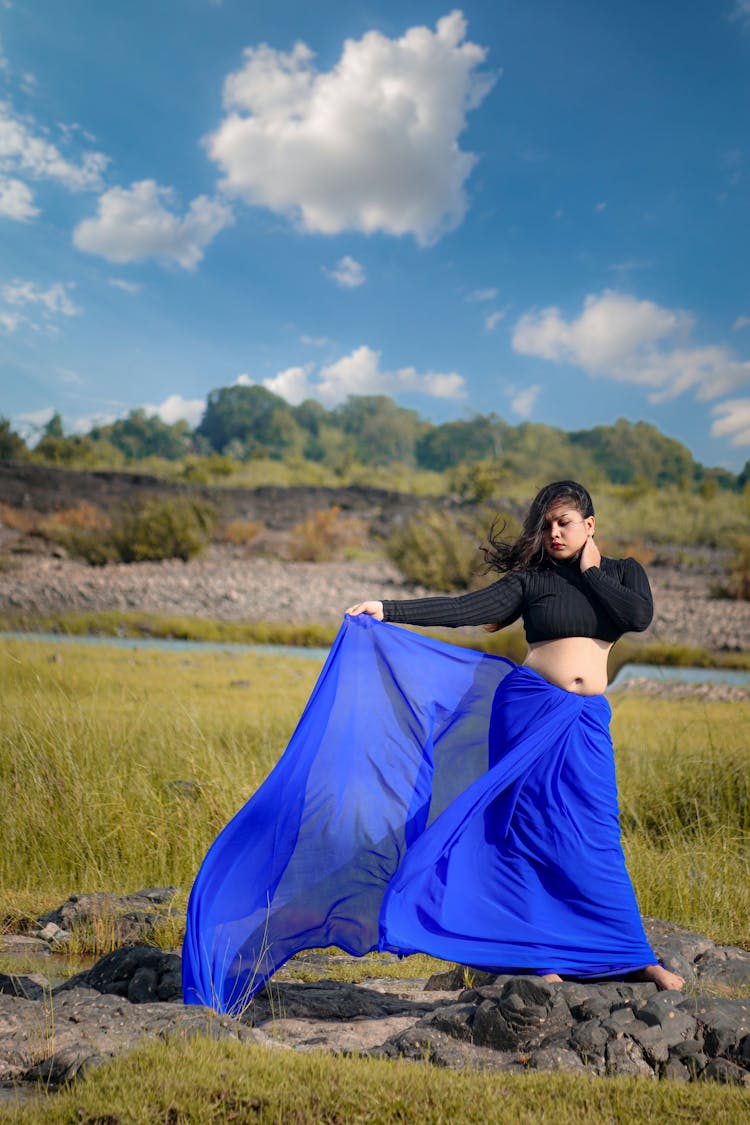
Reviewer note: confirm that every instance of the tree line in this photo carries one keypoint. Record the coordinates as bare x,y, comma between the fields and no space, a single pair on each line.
241,423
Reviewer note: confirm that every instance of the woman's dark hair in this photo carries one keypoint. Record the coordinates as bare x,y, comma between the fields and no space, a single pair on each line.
528,549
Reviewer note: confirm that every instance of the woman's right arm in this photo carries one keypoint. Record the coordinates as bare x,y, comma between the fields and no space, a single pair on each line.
500,603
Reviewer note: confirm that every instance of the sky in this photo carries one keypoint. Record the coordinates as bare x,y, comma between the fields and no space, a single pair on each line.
532,207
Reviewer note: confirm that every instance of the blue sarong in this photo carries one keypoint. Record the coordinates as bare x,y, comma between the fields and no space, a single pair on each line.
431,799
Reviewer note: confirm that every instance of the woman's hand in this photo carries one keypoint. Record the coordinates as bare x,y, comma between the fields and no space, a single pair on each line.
590,553
374,609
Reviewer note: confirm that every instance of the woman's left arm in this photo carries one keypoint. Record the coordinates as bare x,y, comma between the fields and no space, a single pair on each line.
627,597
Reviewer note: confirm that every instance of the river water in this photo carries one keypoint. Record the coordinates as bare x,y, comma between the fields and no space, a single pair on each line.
144,644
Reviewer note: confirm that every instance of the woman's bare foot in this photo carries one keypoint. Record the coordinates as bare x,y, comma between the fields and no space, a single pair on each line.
661,977
555,978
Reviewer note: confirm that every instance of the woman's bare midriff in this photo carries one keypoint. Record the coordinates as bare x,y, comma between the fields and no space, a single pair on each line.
576,664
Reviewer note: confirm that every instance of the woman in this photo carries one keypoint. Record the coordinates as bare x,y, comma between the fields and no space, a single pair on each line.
387,825
575,604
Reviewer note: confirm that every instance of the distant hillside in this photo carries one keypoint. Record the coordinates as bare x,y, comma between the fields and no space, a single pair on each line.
245,423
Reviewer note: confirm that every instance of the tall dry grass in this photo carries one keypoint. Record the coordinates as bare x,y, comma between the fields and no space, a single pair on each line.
118,769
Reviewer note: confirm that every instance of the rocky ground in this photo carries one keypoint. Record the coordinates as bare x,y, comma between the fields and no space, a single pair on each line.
229,584
458,1019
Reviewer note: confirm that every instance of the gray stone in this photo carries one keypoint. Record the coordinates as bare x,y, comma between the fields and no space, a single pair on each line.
618,1021
554,1058
141,973
330,1000
461,976
676,1071
53,934
726,1072
527,1012
724,965
453,1019
669,940
429,1045
130,918
56,1038
30,987
589,1038
725,1023
673,1021
652,1042
24,944
625,1058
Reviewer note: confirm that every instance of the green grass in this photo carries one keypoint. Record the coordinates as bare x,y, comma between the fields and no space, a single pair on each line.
132,623
92,741
508,642
202,1081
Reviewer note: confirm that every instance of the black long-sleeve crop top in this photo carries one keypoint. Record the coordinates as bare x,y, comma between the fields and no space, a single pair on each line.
557,600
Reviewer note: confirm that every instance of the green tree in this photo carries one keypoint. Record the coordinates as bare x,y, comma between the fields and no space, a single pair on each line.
12,445
631,450
261,420
54,427
140,435
450,444
382,432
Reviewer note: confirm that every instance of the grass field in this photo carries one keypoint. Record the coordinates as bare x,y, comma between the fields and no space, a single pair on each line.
202,1081
118,768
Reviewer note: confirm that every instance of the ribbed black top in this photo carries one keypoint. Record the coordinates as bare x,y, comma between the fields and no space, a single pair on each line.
557,600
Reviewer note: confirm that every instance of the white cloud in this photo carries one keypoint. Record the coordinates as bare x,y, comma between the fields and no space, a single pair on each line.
175,408
348,272
22,149
135,223
359,373
609,330
10,321
482,295
632,341
293,384
315,341
85,423
54,300
32,420
370,145
16,200
735,423
131,287
523,402
492,319
600,207
69,376
631,264
741,11
741,321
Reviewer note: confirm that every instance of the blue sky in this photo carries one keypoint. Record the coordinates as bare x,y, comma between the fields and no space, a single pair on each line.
537,207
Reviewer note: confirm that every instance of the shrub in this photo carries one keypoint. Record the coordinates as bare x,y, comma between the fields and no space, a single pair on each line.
325,536
178,528
84,530
17,519
439,549
155,529
739,570
241,532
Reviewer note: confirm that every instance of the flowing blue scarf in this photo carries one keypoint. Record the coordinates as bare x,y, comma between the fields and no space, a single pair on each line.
431,799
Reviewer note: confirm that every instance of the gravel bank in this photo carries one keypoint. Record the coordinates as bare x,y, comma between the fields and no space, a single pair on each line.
226,585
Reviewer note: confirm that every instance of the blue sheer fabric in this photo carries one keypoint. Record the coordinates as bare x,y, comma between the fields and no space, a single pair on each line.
431,798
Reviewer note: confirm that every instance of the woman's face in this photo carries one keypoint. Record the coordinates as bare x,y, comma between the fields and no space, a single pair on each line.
565,531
